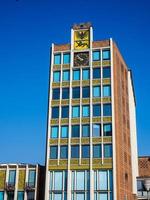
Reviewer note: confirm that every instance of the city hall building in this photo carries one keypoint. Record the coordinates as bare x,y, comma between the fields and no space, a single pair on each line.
91,151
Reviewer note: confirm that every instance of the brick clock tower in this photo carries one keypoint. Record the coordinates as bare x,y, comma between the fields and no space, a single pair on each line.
91,151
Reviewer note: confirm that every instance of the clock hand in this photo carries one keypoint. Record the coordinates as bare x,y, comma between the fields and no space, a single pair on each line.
81,59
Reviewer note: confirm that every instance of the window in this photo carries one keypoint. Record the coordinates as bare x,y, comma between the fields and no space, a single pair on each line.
76,92
97,151
75,130
20,196
96,91
103,196
75,151
12,177
63,152
107,150
96,73
30,195
85,111
54,132
96,55
85,151
10,195
1,195
85,130
65,93
55,112
57,59
96,110
66,58
86,92
65,112
53,152
56,93
106,72
76,75
106,54
107,129
96,130
75,111
66,75
56,77
106,91
64,131
85,74
103,180
31,178
107,110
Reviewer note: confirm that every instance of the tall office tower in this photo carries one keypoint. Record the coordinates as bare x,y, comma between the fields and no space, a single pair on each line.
91,138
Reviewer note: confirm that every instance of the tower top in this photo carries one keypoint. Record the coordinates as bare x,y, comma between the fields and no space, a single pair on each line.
86,25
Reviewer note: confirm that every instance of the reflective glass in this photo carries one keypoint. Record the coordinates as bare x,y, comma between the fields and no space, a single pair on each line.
75,130
107,110
58,178
76,92
57,59
56,93
64,152
75,111
64,131
1,195
31,178
106,54
56,76
85,130
86,92
75,151
65,112
107,129
76,75
30,195
65,93
57,196
96,73
96,55
106,72
96,110
96,130
54,132
106,91
85,74
85,151
107,150
12,177
55,112
53,152
85,111
80,178
103,180
66,75
96,91
97,151
80,196
66,58
103,196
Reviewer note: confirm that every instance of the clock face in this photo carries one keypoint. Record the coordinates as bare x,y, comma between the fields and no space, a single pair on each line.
81,39
81,59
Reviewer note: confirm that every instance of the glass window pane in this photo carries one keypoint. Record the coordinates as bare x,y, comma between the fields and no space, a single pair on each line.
86,92
106,54
56,76
85,111
57,196
64,131
106,72
107,110
96,110
97,151
54,132
80,180
75,131
85,151
102,180
75,111
96,91
57,59
64,152
80,196
1,195
58,177
66,58
85,130
56,93
65,93
107,129
76,75
55,112
110,180
66,75
96,130
53,152
96,73
31,178
12,177
107,150
96,55
75,151
30,196
103,196
76,92
65,112
106,91
85,74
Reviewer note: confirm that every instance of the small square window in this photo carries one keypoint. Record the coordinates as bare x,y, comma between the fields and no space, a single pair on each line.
106,54
107,110
96,55
85,74
56,76
64,131
107,130
76,92
57,59
106,91
75,151
97,151
96,91
96,130
56,93
65,93
107,150
76,75
55,112
96,73
85,151
54,132
66,58
106,72
75,111
65,112
85,111
53,152
63,152
85,130
66,75
86,92
75,131
96,110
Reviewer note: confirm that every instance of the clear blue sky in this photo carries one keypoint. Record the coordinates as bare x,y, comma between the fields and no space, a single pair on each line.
27,29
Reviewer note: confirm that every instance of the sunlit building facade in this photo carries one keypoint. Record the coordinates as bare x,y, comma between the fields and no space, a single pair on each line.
91,149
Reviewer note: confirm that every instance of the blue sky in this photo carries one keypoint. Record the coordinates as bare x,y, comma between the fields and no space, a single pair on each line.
27,29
